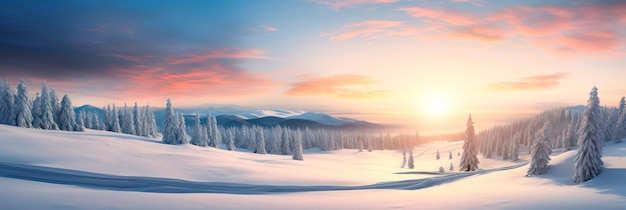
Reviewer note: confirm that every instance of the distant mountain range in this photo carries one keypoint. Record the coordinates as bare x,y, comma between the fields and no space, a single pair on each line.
234,116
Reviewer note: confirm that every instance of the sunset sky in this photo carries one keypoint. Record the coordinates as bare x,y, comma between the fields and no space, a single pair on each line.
388,61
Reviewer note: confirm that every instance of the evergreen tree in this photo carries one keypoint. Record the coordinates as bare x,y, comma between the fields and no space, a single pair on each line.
437,155
285,145
469,161
514,153
450,156
182,129
7,104
56,105
297,152
451,167
231,140
441,170
170,126
259,146
138,119
150,123
199,137
540,153
80,119
115,120
127,123
45,118
620,125
67,117
588,161
95,121
411,161
23,117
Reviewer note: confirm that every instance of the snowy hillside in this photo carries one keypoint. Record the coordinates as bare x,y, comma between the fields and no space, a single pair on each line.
50,169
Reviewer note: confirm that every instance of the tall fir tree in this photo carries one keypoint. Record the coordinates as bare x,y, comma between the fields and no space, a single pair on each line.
297,152
45,118
138,119
469,160
259,137
150,123
199,137
231,140
24,116
171,126
540,153
7,104
115,120
56,105
588,161
67,116
182,129
127,122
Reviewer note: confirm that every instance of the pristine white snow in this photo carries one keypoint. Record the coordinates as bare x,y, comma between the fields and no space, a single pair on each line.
42,169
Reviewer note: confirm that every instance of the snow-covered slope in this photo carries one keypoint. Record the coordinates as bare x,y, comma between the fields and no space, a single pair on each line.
101,170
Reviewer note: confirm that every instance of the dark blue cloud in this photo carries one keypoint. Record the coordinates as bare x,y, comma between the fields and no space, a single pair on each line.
76,39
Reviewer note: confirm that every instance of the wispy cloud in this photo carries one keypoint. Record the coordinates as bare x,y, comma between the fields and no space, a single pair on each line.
579,28
348,86
373,29
216,54
538,82
338,4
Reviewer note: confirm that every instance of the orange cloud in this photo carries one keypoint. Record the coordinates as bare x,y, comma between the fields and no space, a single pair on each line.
216,54
539,82
340,86
338,4
212,80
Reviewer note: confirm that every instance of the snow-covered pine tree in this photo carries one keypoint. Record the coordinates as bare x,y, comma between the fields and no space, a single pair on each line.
285,145
540,153
441,170
115,120
67,117
297,152
588,161
198,137
182,130
150,122
80,119
95,121
450,156
437,156
7,104
411,161
138,119
170,125
451,167
45,117
513,150
370,145
127,122
469,161
620,125
231,140
56,105
259,146
23,114
216,135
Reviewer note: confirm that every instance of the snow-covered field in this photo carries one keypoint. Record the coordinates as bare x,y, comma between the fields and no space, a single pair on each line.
101,170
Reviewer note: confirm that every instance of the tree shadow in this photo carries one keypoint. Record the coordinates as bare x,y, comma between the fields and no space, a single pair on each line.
609,181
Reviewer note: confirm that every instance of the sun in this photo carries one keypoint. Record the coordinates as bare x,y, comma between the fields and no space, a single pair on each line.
436,106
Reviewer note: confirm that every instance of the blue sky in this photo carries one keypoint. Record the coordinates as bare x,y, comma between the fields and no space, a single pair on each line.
389,61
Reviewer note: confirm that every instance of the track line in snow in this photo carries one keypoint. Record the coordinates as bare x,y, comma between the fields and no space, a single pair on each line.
167,185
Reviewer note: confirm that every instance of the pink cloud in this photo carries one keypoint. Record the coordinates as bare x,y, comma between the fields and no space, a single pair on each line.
338,4
340,86
584,28
211,80
538,82
216,54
